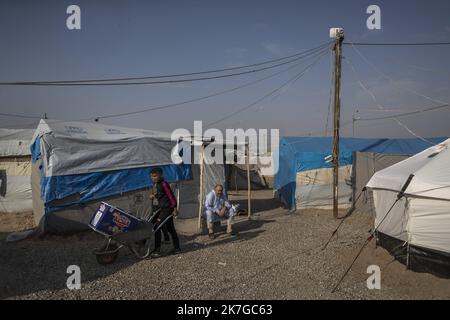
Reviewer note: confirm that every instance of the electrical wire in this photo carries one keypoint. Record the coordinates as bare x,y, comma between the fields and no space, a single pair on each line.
176,104
173,105
398,44
405,114
378,104
120,81
392,80
16,115
293,80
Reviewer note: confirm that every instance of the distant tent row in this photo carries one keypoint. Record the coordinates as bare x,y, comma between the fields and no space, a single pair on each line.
15,170
77,165
417,228
304,178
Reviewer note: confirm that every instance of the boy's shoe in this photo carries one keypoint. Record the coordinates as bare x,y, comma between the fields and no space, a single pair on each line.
211,236
155,254
175,251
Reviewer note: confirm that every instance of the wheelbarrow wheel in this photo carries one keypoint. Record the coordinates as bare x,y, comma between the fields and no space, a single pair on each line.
107,258
108,254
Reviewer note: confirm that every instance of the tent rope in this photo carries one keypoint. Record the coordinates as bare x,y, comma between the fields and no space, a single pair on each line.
348,214
400,195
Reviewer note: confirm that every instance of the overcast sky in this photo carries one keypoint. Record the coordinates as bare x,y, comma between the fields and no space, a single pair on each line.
140,38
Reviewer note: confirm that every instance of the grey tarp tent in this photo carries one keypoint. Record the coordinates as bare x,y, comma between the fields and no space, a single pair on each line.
78,165
15,170
365,165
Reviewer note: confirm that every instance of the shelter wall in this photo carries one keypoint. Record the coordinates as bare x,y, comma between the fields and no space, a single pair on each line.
365,165
15,187
314,188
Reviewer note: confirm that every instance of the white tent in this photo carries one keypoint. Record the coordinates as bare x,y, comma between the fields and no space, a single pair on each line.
421,219
15,170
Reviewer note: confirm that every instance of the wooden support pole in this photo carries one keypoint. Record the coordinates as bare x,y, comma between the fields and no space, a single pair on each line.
249,187
200,196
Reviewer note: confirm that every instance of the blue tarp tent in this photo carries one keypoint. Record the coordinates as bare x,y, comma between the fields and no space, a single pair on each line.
297,154
77,165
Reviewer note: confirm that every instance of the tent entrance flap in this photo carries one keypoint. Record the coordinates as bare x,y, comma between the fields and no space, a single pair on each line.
212,174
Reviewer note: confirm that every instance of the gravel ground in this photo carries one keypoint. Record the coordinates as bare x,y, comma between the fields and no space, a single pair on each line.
277,255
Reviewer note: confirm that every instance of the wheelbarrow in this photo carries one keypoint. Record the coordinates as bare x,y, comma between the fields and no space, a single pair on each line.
122,229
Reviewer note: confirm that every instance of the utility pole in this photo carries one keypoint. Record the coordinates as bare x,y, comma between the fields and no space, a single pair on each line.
338,35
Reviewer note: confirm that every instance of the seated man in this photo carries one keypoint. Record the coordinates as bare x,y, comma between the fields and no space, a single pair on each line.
217,206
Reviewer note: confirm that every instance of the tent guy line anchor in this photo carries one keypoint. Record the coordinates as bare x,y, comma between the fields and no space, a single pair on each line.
400,195
348,214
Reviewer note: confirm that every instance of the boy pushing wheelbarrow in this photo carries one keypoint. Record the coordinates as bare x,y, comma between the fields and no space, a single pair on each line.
165,203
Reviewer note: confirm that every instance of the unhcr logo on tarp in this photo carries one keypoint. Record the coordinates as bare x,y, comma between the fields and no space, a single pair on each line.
113,131
236,146
75,130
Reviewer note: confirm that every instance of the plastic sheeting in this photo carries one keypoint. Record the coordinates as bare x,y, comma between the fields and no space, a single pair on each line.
15,142
315,188
431,169
297,154
365,165
424,219
15,195
98,185
15,170
76,165
429,225
15,186
237,178
70,148
395,224
91,161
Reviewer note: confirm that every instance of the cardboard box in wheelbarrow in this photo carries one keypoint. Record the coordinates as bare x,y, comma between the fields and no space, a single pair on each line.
113,222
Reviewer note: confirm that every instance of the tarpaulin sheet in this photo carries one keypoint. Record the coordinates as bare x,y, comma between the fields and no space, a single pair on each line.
15,142
297,154
82,162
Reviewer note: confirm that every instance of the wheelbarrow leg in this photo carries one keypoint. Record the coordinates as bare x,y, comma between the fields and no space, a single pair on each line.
108,253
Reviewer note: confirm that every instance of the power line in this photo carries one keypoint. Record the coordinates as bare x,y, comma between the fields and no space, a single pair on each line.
398,44
120,81
376,101
404,114
392,80
27,125
313,133
15,115
173,105
293,80
176,104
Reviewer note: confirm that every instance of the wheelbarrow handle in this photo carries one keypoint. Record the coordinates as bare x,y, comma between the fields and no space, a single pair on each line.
153,215
162,223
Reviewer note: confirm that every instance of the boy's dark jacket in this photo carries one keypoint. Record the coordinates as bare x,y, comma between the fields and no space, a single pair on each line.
163,193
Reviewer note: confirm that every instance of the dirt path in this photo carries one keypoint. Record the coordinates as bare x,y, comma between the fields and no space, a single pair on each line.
278,255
